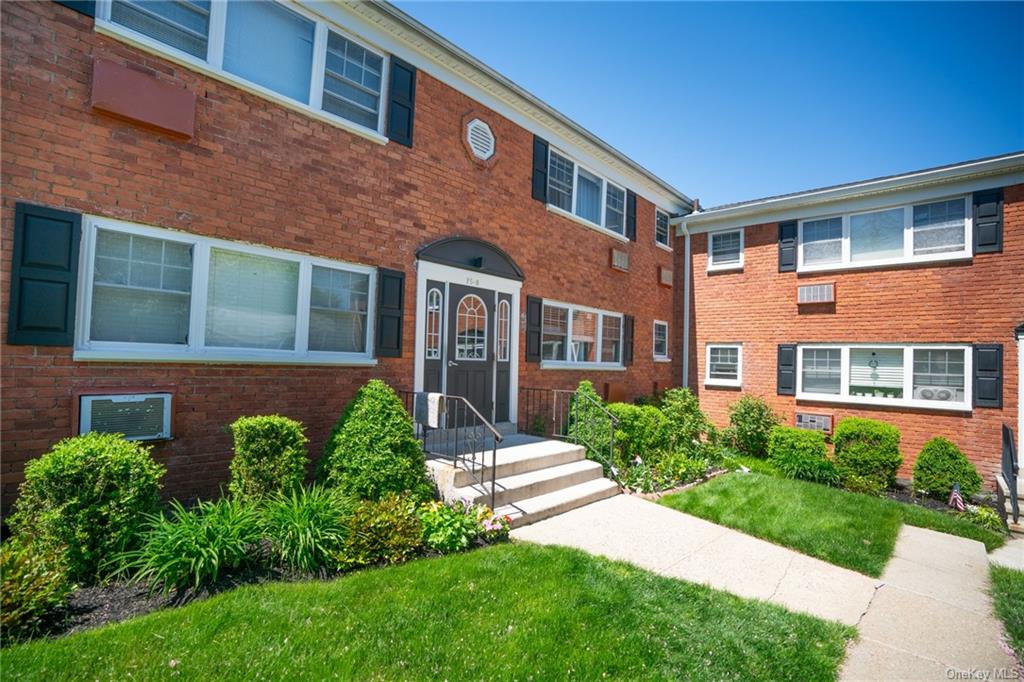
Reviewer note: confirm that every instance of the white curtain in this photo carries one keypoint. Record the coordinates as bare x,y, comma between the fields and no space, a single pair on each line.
876,235
251,301
271,46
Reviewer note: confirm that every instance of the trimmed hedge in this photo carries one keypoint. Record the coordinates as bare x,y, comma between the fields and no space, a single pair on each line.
868,451
270,456
801,454
751,421
940,465
88,497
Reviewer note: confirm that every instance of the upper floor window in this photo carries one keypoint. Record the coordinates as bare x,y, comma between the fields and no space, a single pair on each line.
725,250
580,336
936,230
271,46
660,340
163,295
661,229
585,194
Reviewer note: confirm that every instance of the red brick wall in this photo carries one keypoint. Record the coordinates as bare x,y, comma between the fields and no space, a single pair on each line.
258,172
971,302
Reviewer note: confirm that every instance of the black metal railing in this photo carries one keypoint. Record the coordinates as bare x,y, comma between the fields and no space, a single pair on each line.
572,416
1010,469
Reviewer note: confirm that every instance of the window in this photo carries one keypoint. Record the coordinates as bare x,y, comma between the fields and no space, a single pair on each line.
661,229
725,250
576,335
503,331
723,364
660,340
930,376
273,45
471,329
433,345
937,230
585,194
155,294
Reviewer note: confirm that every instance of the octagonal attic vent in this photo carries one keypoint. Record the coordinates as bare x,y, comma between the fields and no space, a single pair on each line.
480,138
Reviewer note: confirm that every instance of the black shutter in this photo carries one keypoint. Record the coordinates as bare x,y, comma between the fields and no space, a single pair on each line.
785,370
988,375
787,246
44,276
534,327
540,169
627,340
86,7
401,101
390,304
631,215
988,221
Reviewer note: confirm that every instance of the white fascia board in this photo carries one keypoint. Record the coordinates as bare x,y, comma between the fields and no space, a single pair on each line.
387,29
913,187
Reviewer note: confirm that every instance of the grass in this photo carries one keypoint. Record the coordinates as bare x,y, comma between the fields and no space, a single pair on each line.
759,465
1008,596
515,611
847,529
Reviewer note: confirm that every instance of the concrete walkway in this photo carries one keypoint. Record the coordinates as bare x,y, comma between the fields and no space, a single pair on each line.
928,617
1010,555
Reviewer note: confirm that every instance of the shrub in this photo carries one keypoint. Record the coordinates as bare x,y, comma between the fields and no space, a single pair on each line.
984,517
492,528
88,496
801,454
868,449
270,456
34,585
678,469
688,427
382,531
374,451
642,433
194,548
940,465
750,422
866,485
449,527
306,528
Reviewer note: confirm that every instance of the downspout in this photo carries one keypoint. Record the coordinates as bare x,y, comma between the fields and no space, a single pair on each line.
686,307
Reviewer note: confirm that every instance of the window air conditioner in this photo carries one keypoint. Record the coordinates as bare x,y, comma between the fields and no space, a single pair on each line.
139,416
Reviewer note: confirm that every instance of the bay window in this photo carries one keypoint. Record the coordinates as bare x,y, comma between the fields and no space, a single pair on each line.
576,335
924,376
585,194
155,294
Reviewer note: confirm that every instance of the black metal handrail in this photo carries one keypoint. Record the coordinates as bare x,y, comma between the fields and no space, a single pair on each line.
1010,470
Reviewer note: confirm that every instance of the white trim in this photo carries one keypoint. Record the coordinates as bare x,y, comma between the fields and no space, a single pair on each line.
724,267
458,313
574,197
654,341
586,223
908,377
668,226
195,350
502,304
598,366
85,415
570,308
711,381
213,65
907,258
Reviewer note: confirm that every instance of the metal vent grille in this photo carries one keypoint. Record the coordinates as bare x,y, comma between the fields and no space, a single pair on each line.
620,260
665,276
480,138
814,422
816,293
144,416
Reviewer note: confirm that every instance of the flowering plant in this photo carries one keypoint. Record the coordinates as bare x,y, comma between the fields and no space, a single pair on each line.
493,528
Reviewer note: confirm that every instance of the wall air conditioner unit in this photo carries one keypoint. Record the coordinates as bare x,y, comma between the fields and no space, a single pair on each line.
816,293
937,393
139,416
814,422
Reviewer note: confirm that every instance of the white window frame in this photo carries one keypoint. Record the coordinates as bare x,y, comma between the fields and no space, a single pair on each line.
569,364
845,261
908,377
195,350
666,356
571,215
715,381
664,245
503,320
213,64
723,267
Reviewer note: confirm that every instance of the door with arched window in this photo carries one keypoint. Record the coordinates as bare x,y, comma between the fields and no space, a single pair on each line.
470,352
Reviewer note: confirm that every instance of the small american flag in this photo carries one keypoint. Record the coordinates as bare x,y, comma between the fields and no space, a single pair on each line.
955,499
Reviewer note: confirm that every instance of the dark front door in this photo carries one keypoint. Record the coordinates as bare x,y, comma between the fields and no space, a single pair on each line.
470,347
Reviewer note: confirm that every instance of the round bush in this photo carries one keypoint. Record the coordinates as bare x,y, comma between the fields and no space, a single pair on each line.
868,450
88,497
751,421
270,456
940,465
374,450
801,454
34,586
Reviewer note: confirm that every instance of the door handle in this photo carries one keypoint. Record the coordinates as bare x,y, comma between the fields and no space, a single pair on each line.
452,363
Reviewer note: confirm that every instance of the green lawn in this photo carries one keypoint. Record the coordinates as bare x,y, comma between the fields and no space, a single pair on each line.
846,529
1008,596
515,611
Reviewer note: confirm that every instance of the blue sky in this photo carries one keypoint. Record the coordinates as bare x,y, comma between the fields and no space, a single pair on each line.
738,101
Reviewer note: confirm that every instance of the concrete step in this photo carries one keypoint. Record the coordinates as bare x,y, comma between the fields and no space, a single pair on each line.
511,489
533,509
519,459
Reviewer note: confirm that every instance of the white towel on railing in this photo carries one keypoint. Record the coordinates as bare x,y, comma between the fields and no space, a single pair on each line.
427,409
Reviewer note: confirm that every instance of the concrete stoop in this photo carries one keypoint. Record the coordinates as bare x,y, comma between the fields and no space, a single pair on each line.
1018,527
533,480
